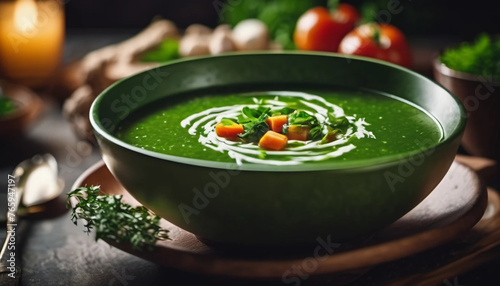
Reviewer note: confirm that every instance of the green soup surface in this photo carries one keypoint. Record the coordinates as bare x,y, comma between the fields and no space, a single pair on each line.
381,125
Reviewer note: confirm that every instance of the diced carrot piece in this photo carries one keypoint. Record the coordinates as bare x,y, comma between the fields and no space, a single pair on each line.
228,131
276,122
273,141
298,132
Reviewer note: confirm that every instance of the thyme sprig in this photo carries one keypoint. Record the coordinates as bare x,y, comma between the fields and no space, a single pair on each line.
114,220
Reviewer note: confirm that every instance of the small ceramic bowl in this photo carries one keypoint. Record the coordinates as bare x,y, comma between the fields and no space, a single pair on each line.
270,205
27,107
481,99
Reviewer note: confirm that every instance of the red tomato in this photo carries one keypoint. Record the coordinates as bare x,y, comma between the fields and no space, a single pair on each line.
319,29
380,41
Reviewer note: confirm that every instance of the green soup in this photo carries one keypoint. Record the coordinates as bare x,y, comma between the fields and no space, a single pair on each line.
379,125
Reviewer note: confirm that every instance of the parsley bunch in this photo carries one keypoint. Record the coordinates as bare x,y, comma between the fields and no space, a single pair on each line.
6,104
168,50
481,57
112,219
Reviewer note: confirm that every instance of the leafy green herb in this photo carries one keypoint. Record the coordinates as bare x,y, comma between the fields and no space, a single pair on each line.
262,154
296,144
227,122
330,136
332,4
254,123
370,9
302,118
168,50
115,220
338,123
6,106
284,111
254,131
481,57
280,16
252,113
316,133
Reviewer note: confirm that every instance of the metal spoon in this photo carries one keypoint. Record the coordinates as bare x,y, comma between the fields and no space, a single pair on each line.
36,182
39,179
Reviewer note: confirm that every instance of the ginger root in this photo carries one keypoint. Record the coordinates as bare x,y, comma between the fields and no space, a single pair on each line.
104,66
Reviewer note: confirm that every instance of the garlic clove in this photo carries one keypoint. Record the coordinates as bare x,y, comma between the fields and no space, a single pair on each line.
251,35
194,45
221,42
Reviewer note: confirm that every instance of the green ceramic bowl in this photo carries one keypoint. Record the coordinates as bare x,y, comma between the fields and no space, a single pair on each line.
268,205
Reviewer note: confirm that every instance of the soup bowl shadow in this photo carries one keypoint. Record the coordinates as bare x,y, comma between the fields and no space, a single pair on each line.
262,205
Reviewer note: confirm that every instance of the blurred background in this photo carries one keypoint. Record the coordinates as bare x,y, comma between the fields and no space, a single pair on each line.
418,17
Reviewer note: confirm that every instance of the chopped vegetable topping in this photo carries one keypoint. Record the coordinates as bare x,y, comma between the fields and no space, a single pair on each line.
321,128
228,129
273,141
262,125
298,132
276,122
300,117
330,136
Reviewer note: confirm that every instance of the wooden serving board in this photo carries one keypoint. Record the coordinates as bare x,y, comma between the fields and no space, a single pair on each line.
451,210
446,264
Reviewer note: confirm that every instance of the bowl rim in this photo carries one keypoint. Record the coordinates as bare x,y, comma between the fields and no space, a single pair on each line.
371,163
